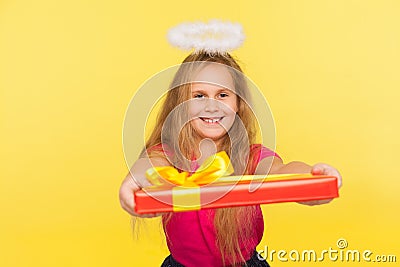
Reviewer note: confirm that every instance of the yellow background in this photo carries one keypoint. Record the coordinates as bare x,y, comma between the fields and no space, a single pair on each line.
329,69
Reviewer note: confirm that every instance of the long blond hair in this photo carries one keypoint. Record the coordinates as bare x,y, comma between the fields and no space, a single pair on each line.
231,224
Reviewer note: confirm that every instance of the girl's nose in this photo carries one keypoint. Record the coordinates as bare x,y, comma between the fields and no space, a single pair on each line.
212,105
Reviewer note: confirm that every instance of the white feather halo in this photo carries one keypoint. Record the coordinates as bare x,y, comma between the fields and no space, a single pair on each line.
212,37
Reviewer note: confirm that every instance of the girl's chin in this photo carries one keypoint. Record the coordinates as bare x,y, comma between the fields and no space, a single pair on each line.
215,136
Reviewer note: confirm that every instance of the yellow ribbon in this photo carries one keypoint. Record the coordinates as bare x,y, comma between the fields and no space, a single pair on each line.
213,167
183,198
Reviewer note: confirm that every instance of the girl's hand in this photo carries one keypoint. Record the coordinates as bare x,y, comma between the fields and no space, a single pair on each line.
323,169
128,187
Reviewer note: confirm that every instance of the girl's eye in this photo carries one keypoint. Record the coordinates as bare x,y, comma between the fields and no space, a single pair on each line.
198,96
223,95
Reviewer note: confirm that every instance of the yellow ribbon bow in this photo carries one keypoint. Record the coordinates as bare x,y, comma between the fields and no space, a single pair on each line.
213,167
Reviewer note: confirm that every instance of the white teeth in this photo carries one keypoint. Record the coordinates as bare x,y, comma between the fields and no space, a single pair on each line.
211,120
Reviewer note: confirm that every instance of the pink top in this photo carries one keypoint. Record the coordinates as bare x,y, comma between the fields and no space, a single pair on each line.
191,236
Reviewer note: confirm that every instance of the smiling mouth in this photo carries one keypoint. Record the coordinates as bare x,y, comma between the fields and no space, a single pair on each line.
211,120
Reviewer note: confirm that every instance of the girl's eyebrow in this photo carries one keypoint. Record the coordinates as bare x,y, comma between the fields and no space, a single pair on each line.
197,91
224,91
204,92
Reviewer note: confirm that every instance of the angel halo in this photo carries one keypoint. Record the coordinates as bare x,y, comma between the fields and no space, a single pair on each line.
214,37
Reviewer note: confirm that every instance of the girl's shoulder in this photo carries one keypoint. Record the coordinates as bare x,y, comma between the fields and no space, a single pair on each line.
259,152
160,148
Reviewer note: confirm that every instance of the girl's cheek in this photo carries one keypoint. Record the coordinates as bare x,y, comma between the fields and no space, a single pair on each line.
231,106
229,109
195,109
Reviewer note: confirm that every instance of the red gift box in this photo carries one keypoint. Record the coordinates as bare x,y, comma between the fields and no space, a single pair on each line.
280,188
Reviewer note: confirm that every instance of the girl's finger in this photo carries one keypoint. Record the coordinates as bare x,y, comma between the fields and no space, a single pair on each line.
317,170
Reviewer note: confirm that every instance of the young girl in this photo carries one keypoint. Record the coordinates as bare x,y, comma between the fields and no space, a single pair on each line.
214,114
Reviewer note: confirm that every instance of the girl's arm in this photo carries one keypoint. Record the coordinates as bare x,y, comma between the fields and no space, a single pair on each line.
135,180
274,165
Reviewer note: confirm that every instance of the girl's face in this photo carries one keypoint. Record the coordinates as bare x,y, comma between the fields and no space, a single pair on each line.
214,104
